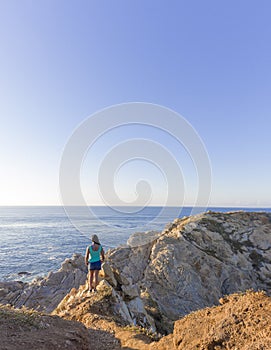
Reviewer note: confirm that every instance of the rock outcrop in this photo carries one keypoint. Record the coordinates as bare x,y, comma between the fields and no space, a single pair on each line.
193,262
45,294
102,311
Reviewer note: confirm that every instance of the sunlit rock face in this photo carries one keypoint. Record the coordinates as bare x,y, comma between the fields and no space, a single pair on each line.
194,262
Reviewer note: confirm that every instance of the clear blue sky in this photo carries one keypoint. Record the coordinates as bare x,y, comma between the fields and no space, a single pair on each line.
61,61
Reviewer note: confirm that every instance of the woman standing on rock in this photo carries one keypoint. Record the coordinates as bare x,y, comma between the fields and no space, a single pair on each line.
93,259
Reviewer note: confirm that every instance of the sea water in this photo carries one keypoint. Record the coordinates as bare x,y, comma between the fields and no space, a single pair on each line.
35,240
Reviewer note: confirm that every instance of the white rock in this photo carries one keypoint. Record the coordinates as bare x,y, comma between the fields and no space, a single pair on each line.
197,261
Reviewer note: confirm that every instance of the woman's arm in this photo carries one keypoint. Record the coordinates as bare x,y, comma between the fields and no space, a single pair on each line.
87,256
102,254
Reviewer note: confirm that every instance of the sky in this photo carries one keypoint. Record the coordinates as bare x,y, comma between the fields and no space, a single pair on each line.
63,61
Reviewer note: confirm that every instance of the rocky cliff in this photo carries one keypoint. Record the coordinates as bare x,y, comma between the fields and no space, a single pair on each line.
191,264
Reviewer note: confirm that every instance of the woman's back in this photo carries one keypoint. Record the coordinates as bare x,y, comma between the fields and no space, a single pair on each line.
94,253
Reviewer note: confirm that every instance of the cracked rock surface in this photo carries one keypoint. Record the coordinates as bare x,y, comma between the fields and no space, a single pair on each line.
194,262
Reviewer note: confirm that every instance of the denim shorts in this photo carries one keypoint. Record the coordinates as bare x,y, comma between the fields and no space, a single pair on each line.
97,265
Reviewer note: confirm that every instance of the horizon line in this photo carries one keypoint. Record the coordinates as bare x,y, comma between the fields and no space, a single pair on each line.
135,206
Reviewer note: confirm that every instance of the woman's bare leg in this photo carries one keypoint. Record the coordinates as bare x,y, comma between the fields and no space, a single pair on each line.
90,283
96,274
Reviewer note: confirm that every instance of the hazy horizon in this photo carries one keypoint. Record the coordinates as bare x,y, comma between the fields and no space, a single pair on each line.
148,206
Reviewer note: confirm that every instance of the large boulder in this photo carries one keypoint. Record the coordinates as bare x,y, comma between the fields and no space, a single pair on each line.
193,263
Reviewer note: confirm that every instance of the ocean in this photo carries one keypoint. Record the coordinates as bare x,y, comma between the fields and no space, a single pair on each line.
36,240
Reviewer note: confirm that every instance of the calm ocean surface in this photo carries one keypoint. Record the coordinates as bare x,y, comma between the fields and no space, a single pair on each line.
37,239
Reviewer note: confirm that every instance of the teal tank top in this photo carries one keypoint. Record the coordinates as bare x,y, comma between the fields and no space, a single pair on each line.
94,255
